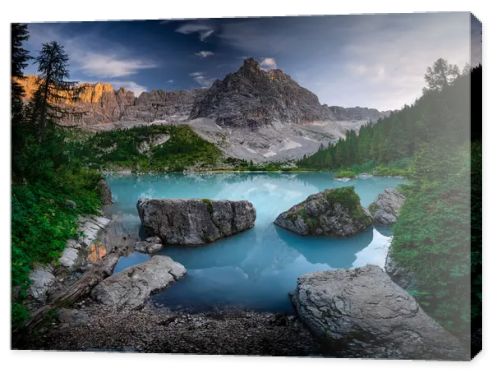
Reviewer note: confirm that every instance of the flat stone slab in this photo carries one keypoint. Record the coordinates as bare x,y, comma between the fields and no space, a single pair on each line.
130,288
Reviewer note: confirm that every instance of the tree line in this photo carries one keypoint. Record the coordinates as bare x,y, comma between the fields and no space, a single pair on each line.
441,114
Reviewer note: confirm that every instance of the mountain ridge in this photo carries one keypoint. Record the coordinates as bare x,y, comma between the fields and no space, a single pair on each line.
251,97
252,114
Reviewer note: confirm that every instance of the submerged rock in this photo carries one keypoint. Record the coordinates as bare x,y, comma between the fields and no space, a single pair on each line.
385,209
131,287
194,222
362,313
334,212
150,245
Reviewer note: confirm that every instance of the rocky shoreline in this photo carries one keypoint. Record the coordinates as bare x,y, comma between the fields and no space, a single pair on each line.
342,313
152,329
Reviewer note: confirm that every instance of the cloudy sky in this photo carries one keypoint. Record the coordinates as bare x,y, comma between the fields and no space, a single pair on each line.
363,60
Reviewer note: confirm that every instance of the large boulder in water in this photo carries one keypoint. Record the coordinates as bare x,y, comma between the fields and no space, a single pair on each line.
333,212
385,209
362,313
194,222
131,287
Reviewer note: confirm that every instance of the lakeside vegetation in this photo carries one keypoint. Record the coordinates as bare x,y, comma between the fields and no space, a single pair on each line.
402,167
49,189
430,143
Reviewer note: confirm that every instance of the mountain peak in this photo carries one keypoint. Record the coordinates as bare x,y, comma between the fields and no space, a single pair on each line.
250,63
252,97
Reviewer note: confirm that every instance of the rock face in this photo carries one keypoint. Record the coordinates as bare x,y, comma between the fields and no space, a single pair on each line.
385,209
362,313
333,212
130,288
163,106
100,103
252,97
251,114
194,222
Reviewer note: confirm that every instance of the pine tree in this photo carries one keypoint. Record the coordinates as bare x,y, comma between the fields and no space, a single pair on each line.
53,87
19,61
441,74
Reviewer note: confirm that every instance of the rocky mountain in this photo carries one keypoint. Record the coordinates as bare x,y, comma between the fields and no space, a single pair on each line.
251,114
253,97
162,106
99,103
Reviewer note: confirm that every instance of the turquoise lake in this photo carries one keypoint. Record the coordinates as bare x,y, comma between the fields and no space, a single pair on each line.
255,269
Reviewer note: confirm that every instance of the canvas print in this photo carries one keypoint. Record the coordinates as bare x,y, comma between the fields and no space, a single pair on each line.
282,186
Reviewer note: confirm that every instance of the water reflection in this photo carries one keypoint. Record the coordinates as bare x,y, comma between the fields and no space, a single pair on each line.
336,252
255,269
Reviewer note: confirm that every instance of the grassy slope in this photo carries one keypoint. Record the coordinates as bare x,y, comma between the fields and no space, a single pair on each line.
120,149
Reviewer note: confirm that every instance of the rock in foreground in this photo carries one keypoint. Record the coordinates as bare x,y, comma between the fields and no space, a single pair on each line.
195,222
131,287
42,279
334,212
362,313
385,209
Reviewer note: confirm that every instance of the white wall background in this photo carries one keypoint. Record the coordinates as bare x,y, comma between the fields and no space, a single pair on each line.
54,363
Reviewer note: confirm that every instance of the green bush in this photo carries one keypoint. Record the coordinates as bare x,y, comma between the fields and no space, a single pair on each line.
432,236
349,199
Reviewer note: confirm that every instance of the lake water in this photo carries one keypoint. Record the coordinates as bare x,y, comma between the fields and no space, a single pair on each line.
255,269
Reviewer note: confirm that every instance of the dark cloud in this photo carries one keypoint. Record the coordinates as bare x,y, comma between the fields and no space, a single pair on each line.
367,60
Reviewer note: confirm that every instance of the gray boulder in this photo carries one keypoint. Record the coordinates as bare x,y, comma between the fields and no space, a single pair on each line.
385,209
333,212
194,222
130,288
42,280
362,313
